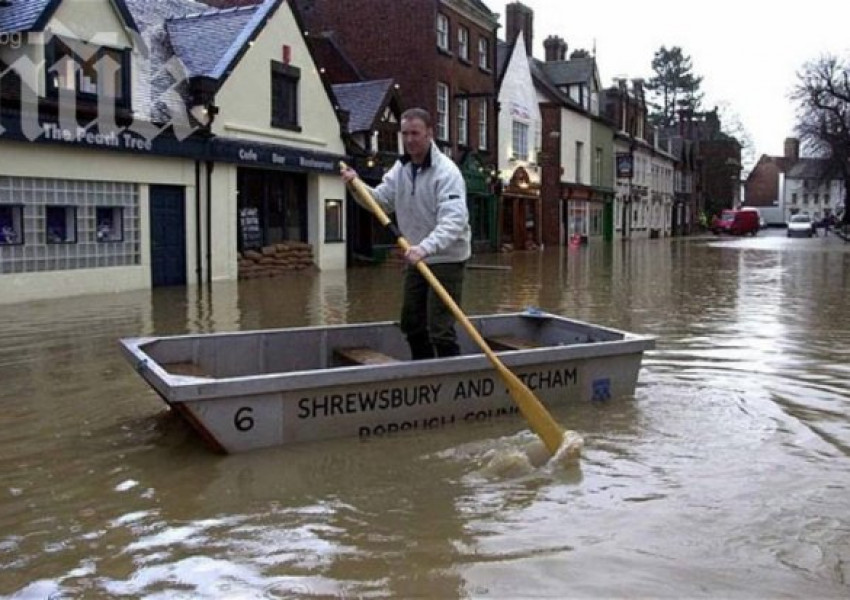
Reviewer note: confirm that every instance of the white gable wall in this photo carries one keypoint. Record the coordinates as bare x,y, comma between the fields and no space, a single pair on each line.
519,102
93,21
244,100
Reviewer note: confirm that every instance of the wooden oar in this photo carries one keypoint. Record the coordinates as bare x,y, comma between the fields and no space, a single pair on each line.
532,409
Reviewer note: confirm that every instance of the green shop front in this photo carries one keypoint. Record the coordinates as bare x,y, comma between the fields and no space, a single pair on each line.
482,204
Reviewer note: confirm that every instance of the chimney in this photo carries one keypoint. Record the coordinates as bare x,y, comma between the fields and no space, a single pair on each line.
792,148
520,18
556,48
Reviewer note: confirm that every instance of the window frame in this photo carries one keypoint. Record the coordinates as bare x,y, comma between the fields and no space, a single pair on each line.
462,119
484,53
115,233
441,129
285,75
70,226
519,139
442,32
16,225
54,53
334,220
579,162
483,124
463,43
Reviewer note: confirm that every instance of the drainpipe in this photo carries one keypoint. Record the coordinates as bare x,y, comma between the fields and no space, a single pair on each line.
198,266
210,167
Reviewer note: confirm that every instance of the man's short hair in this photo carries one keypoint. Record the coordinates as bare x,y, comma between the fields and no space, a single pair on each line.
417,113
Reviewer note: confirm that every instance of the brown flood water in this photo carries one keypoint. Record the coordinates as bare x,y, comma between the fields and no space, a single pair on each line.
726,476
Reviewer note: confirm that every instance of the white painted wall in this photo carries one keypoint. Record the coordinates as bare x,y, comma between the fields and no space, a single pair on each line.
93,21
22,159
519,101
575,127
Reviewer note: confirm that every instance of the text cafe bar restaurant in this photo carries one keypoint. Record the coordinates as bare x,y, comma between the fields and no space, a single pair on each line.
76,203
275,185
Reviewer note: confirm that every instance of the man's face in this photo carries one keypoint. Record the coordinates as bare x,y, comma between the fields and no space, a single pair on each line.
416,137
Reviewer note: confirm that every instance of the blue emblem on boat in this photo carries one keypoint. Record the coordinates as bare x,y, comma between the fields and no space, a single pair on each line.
601,389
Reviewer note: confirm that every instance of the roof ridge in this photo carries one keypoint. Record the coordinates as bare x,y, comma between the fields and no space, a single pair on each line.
212,12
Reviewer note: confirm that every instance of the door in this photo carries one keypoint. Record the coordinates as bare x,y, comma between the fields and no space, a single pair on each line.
168,235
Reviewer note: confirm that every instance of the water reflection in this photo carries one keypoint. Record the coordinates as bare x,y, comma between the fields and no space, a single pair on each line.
726,475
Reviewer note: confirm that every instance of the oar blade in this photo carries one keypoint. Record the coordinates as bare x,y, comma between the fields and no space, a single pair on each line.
533,410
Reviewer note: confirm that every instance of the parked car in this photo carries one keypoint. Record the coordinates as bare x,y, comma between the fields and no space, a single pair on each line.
737,222
800,225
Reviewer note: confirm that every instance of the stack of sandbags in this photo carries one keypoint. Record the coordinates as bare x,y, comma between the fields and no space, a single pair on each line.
274,260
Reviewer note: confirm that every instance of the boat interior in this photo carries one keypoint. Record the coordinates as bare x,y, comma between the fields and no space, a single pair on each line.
239,354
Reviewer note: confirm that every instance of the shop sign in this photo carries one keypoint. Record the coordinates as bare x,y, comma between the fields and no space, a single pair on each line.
272,156
625,165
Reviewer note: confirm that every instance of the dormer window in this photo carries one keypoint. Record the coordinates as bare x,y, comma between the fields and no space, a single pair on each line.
88,71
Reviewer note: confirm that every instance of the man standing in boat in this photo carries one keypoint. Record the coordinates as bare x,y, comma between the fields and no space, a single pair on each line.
427,192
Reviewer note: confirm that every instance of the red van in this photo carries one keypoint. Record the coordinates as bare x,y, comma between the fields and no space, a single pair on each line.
737,222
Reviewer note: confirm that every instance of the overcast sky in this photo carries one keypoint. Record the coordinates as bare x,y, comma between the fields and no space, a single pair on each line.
749,65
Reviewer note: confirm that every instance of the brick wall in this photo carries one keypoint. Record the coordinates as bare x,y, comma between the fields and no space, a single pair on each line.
550,177
762,187
397,39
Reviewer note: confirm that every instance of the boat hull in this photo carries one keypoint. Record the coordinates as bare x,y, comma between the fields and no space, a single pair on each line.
247,390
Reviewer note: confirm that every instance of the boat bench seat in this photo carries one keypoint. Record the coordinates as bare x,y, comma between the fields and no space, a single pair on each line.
362,356
510,342
186,368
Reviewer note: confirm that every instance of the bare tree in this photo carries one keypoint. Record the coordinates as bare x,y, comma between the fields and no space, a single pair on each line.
732,125
822,95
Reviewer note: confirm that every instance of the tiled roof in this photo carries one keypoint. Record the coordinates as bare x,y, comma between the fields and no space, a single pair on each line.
21,15
207,42
32,15
330,56
150,97
565,72
363,100
811,168
503,55
540,77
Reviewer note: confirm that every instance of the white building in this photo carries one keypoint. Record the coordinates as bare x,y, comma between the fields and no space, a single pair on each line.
161,139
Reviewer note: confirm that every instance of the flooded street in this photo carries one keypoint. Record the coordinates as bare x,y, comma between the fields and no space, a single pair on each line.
726,476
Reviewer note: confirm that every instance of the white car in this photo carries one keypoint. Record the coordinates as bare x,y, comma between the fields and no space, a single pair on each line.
800,225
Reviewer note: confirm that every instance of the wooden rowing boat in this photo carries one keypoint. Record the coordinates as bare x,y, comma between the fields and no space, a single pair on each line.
255,389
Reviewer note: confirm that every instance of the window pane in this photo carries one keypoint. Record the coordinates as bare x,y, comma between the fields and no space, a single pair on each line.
61,224
442,32
482,125
462,122
333,220
285,80
442,111
11,225
520,140
110,224
463,43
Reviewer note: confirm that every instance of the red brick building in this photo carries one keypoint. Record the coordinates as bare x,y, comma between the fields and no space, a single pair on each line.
441,54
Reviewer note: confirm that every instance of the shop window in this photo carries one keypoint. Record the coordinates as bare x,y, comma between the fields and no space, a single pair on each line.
285,80
333,221
88,71
109,224
61,224
11,225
